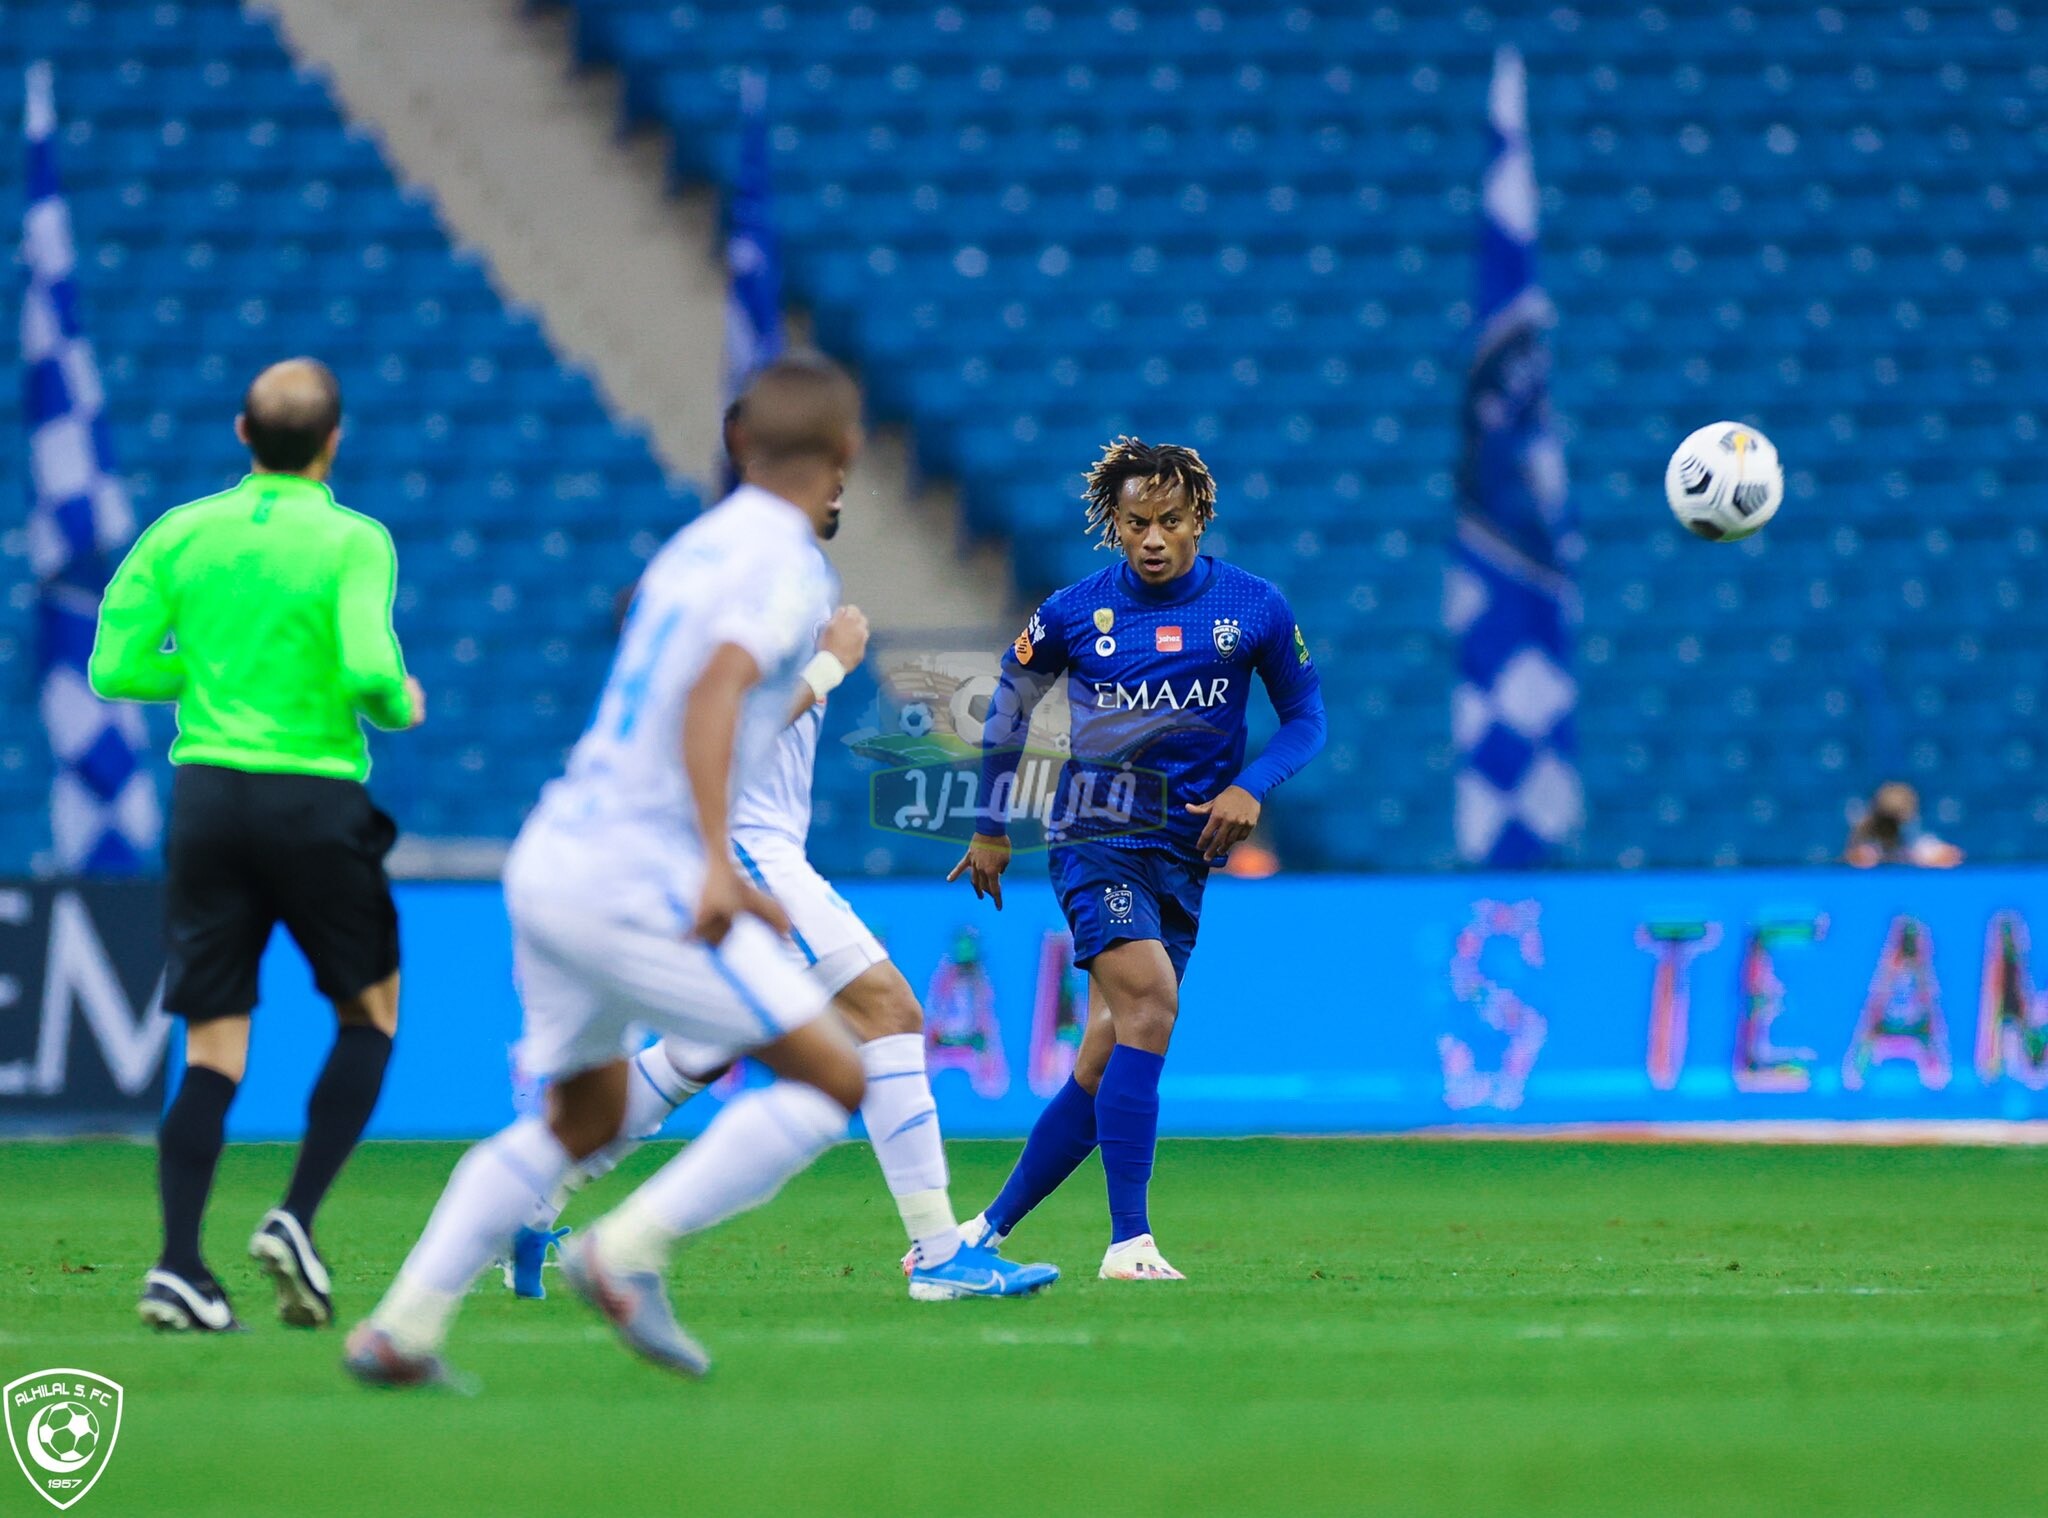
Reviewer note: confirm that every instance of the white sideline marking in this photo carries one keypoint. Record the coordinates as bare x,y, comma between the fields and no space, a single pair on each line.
1801,1330
1318,1336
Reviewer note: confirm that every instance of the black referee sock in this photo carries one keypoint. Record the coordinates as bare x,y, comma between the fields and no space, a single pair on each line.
187,1149
337,1113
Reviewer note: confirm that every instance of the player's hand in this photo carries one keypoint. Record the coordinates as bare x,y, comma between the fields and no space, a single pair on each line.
1232,816
845,636
983,864
416,693
724,897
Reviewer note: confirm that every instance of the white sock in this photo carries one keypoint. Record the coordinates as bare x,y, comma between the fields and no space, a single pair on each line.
903,1125
654,1089
493,1188
750,1149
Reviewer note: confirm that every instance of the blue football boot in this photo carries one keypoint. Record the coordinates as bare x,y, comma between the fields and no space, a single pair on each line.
529,1254
975,1271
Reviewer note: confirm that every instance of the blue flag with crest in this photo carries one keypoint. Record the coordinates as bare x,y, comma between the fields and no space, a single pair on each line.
753,252
104,814
1509,594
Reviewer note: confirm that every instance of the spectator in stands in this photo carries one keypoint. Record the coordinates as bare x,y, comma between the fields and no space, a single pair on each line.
1888,831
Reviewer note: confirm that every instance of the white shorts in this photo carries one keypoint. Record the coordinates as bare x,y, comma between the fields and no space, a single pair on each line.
831,941
600,958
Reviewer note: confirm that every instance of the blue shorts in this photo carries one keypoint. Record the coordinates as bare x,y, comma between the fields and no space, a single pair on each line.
1116,895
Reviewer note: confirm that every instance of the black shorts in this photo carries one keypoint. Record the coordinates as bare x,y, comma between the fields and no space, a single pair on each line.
246,851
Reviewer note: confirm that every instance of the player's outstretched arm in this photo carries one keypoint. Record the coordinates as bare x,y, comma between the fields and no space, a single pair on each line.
1297,694
841,647
711,724
1296,691
1034,662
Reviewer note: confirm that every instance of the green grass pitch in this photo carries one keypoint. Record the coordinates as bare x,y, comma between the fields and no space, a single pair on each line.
1399,1328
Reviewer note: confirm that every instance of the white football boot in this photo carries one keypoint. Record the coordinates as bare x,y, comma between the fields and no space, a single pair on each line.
1137,1259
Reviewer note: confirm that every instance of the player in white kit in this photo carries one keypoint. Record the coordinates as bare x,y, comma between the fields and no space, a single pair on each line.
770,824
628,911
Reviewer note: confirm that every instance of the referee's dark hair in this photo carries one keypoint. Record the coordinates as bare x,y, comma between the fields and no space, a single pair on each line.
289,414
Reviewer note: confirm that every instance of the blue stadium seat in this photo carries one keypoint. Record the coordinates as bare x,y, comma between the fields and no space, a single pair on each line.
1245,226
227,216
1806,215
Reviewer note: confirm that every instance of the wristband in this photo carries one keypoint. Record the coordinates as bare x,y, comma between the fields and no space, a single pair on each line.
823,674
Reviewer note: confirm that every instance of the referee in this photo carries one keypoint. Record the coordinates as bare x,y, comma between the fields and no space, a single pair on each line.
276,605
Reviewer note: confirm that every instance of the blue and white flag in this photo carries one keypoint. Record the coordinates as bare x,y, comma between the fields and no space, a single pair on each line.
753,253
1509,594
104,817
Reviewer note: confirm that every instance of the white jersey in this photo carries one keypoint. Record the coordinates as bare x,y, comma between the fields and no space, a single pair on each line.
780,801
749,571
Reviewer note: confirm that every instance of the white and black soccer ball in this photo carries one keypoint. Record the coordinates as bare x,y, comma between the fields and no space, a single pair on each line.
1724,482
68,1434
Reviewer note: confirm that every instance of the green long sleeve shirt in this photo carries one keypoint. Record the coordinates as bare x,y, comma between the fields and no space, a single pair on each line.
276,602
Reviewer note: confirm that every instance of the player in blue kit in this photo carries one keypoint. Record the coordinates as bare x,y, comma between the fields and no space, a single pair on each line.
1158,654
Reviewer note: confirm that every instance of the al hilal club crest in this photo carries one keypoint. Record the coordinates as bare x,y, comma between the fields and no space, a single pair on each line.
62,1425
1227,632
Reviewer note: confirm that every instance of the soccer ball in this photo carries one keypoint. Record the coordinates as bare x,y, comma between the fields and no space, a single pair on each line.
69,1434
1724,482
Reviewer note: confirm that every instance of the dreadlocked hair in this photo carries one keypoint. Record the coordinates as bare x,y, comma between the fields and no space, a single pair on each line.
1160,466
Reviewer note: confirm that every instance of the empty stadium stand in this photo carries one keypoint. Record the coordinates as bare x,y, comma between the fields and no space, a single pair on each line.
1245,226
226,216
1248,226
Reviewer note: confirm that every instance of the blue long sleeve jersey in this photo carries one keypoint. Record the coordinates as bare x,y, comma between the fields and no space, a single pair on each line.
1159,686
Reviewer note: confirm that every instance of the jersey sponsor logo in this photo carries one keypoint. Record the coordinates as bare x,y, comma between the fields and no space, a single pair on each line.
1029,639
1105,646
1166,640
1116,900
1300,646
1227,635
1152,696
1105,619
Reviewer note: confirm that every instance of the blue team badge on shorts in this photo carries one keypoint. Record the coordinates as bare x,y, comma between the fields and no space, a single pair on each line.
1116,900
1227,633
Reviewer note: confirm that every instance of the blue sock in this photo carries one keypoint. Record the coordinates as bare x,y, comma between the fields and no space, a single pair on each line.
1127,1112
1060,1140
